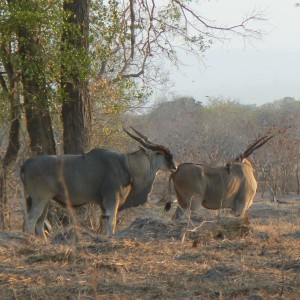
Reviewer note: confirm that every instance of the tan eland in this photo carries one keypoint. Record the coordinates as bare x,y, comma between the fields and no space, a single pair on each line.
215,187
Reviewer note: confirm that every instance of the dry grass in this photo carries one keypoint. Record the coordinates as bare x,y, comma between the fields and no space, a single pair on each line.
223,258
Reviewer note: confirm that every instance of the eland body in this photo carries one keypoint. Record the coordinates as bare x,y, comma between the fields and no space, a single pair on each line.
101,176
215,187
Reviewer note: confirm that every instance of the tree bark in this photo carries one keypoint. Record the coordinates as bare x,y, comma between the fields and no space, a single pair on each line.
12,150
76,111
39,124
12,91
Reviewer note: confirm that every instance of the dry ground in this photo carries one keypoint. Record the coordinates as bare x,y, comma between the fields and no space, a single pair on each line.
214,256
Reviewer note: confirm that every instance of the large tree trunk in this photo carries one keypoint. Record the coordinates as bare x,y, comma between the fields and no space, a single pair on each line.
76,112
39,123
38,118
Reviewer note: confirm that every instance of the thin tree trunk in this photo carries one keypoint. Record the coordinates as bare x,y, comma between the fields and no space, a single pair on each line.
13,147
298,179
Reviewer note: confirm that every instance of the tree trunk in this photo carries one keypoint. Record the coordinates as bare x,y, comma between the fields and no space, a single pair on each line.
76,120
76,111
38,118
39,123
13,147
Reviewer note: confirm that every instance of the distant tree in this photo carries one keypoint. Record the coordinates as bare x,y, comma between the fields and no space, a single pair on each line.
217,132
280,169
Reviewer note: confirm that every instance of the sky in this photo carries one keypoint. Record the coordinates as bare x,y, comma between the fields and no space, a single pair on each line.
255,71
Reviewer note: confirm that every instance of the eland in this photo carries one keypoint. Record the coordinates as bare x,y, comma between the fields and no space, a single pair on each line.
101,176
215,187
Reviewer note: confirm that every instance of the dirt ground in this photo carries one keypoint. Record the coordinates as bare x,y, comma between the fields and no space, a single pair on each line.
211,256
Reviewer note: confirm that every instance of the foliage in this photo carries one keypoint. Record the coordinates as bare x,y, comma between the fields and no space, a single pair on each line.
42,21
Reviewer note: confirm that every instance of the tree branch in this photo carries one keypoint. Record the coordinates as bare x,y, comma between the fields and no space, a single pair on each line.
229,28
3,83
132,19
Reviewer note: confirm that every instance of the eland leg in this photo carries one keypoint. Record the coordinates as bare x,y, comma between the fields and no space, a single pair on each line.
179,212
250,202
110,208
240,206
35,212
40,225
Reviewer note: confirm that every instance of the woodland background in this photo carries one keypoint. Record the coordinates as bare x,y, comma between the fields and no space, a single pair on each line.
72,74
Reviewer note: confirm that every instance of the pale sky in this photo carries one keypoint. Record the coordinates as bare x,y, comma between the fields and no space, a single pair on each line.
251,72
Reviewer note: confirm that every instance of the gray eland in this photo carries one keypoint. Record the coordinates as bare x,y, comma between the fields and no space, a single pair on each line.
101,176
215,187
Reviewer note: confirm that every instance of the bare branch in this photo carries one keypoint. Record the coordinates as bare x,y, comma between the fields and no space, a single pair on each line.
234,28
132,19
151,29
